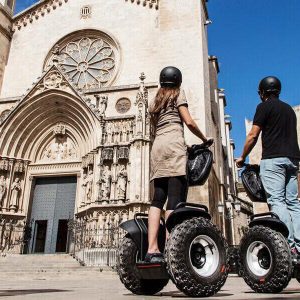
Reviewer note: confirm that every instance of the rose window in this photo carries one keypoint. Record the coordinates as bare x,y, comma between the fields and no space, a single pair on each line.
89,62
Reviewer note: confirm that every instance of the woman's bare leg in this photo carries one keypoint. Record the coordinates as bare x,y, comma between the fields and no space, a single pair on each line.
153,227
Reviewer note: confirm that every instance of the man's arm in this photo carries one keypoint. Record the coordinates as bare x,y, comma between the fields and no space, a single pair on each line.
251,140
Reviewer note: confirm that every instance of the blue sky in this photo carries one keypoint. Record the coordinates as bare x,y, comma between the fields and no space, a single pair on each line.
23,4
252,39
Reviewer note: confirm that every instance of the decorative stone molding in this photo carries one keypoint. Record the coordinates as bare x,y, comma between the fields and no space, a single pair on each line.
88,160
123,153
53,79
86,12
53,167
42,8
107,154
39,10
146,3
59,130
19,166
142,126
4,164
4,115
142,95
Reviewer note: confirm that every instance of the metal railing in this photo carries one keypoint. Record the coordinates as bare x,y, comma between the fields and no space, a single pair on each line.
14,235
94,245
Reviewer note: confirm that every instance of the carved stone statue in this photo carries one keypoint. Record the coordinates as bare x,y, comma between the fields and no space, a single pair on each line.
84,183
122,183
15,193
2,189
102,105
139,124
89,187
106,183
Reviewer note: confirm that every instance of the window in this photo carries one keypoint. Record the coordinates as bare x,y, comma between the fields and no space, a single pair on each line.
86,12
89,60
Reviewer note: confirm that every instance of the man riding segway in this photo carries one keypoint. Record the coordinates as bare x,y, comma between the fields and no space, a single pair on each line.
280,156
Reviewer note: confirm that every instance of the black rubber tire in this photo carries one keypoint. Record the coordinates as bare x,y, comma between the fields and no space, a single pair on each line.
281,267
128,272
178,262
234,260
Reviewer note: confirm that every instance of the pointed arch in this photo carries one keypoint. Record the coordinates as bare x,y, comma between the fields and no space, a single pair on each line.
28,128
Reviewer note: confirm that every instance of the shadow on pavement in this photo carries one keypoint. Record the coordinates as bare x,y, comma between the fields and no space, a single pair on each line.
5,293
177,294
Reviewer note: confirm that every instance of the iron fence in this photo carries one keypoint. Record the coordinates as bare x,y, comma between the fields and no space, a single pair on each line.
14,235
94,245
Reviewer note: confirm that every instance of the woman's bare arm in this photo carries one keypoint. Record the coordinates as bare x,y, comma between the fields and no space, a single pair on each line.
190,123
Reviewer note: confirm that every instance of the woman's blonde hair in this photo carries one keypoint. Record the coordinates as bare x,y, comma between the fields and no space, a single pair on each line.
165,97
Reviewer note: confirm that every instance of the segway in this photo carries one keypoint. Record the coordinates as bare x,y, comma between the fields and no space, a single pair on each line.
195,255
266,260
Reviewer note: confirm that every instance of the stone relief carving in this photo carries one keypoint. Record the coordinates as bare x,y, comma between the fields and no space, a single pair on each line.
120,131
2,189
107,154
15,193
53,80
123,105
61,148
121,183
59,129
4,165
19,167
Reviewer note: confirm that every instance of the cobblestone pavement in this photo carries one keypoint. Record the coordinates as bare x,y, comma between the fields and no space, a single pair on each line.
106,286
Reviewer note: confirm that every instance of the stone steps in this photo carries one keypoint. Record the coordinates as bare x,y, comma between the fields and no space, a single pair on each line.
30,266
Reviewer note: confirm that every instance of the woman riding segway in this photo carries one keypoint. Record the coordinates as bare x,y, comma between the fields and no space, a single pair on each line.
169,111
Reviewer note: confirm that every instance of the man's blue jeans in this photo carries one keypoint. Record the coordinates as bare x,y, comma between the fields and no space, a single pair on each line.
279,178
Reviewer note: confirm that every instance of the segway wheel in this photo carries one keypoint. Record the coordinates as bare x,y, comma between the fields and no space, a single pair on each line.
266,260
196,257
128,272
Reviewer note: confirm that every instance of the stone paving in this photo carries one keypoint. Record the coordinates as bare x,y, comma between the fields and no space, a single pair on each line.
106,286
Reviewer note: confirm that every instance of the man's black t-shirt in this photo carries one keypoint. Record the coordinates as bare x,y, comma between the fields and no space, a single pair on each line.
278,122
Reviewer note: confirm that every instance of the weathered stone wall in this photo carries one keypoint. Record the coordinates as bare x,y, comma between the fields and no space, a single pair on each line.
5,38
133,27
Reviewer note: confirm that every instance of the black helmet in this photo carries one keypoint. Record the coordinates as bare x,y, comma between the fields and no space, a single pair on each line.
270,85
170,77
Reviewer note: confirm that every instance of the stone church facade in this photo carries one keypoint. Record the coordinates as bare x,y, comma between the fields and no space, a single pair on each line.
76,79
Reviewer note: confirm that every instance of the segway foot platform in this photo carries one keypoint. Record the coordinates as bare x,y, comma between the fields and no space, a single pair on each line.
152,270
